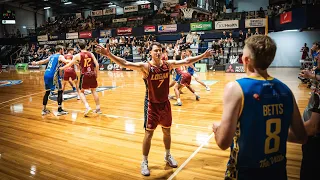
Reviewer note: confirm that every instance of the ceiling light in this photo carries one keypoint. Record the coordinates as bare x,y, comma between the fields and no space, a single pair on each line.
66,3
45,0
112,5
142,2
24,27
46,7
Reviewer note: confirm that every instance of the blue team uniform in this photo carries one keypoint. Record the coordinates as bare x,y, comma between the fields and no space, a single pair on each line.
190,70
52,78
259,144
176,76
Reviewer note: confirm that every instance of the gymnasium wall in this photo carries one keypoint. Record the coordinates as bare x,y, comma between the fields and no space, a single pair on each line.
289,45
250,5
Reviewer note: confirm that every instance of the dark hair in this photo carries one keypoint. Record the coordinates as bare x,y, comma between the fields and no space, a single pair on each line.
262,49
154,44
82,44
70,49
316,43
59,48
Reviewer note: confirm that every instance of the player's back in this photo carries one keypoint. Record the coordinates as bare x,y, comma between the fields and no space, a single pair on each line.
262,129
158,83
52,66
86,62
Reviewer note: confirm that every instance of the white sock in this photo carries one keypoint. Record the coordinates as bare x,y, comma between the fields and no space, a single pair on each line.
167,152
145,158
195,93
179,100
87,105
98,107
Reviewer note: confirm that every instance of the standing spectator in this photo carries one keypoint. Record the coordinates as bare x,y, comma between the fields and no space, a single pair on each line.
241,38
257,32
248,34
261,13
170,51
305,51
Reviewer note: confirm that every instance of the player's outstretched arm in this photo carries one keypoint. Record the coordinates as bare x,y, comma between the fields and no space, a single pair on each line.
191,60
96,63
297,131
72,62
120,61
232,103
44,61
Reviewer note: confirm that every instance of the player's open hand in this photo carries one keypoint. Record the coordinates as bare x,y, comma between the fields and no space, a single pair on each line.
215,126
102,50
208,53
33,63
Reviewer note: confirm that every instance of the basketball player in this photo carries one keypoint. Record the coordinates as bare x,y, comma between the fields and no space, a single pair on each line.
70,74
89,73
183,82
192,70
157,73
257,114
52,79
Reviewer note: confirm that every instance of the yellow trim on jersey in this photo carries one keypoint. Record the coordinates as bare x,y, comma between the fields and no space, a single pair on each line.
242,101
260,78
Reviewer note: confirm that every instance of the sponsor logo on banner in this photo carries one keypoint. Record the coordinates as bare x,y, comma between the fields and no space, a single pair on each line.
149,28
119,20
53,37
72,35
167,28
4,83
96,13
109,11
78,15
201,26
135,19
145,6
255,23
87,34
234,68
124,31
233,24
70,94
43,38
104,33
286,17
130,9
48,43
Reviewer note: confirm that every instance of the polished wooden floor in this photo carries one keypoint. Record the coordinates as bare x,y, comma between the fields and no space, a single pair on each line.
109,146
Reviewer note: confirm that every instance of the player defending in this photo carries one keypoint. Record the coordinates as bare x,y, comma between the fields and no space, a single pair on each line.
52,79
70,75
257,114
89,73
192,70
156,72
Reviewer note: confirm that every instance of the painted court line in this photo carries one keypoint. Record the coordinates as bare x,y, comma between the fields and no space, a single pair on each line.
21,97
191,156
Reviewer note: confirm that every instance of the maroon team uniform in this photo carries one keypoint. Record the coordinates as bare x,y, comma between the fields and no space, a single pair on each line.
70,71
185,77
159,108
88,78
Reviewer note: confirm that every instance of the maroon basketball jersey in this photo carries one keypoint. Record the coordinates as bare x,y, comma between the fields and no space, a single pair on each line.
86,63
158,83
69,58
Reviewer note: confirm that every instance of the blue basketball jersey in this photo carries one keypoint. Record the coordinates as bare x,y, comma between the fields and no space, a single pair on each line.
262,128
190,70
53,66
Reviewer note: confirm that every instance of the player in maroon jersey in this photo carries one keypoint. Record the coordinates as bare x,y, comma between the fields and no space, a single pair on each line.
89,73
156,73
183,82
70,74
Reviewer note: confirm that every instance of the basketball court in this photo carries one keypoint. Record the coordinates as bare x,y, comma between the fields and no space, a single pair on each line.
109,146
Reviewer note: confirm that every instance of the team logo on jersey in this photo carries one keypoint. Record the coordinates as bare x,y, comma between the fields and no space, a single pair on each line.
256,96
70,94
4,83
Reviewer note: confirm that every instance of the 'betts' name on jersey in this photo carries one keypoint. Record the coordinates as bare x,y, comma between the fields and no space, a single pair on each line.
158,83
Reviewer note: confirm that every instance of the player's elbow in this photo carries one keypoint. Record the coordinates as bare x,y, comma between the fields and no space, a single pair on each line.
223,144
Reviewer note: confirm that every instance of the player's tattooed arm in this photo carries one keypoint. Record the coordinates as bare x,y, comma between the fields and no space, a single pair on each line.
44,61
232,103
191,60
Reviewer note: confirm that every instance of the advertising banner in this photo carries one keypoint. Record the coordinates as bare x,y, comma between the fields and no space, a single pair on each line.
119,20
234,68
286,17
124,31
43,38
167,28
96,13
250,23
145,6
232,24
72,35
86,34
109,11
149,28
127,9
135,19
201,26
105,33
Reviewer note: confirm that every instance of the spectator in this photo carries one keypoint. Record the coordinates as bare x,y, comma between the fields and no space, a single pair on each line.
241,38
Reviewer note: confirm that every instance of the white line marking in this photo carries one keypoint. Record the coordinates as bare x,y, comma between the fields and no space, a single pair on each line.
192,155
21,97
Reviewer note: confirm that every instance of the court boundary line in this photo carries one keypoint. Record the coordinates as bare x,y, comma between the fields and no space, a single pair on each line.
190,157
21,97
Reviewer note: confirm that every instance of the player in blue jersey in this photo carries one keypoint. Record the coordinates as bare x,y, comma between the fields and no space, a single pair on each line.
258,112
52,78
192,70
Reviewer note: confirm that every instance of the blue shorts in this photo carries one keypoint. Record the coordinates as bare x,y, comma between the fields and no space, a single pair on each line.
177,78
51,83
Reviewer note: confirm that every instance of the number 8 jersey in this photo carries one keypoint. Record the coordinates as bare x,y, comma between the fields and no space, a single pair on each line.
263,124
